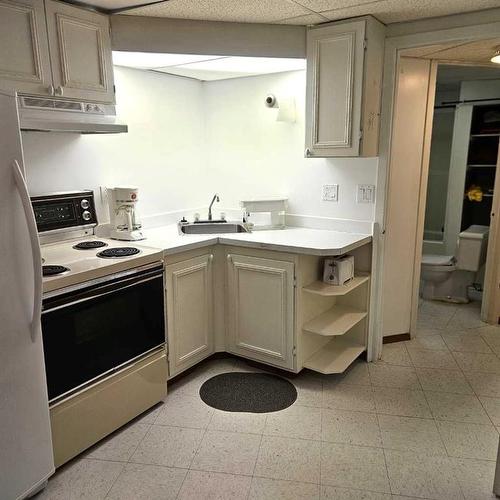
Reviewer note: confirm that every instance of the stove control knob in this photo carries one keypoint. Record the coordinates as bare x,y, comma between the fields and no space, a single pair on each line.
85,204
86,215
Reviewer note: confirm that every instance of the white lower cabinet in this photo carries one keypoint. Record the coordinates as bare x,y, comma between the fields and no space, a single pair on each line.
260,309
189,312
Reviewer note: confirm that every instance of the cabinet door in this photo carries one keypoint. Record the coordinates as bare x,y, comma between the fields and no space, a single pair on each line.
24,53
260,298
335,59
80,51
189,312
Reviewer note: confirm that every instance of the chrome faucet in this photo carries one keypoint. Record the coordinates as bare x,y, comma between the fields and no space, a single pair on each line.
214,199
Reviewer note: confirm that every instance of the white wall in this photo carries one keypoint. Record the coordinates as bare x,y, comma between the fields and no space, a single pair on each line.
162,153
188,139
251,154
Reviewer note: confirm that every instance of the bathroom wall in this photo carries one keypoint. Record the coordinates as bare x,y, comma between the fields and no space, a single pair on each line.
188,139
439,169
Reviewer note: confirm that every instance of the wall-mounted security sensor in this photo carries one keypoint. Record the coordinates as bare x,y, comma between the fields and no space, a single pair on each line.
271,101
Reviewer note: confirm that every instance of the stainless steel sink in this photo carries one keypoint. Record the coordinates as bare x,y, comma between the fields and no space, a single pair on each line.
211,228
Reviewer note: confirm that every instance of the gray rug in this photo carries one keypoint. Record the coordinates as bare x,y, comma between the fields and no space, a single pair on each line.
248,392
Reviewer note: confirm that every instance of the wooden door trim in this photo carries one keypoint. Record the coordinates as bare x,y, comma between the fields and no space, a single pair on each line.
490,310
422,199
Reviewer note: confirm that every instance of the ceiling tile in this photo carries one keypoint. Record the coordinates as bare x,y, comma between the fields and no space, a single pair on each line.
255,11
304,20
324,5
480,52
392,11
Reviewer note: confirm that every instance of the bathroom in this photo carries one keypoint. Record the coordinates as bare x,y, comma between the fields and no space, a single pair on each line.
462,164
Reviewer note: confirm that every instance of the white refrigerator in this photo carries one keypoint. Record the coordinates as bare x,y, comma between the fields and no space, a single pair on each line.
26,459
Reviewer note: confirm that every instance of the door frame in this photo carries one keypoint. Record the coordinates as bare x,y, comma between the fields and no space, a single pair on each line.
422,199
490,307
459,29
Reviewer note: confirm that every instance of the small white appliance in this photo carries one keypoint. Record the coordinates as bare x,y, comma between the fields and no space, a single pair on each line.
265,213
338,270
26,459
444,277
123,213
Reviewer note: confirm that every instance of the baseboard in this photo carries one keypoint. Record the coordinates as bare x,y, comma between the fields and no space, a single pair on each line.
400,337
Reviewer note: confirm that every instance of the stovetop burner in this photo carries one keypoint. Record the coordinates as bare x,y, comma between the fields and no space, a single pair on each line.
89,245
118,252
53,270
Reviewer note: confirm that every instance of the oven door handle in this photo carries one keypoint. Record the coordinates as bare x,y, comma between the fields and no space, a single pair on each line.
101,294
36,253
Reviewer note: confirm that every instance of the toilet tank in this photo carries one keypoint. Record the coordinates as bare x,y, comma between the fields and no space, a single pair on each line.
472,244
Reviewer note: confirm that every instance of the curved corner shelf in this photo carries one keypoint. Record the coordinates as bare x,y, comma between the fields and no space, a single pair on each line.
335,357
336,321
326,290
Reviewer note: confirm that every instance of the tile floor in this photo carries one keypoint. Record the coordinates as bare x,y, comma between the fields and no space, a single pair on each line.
420,423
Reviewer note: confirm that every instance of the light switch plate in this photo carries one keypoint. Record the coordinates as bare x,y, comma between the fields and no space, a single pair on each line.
330,192
365,193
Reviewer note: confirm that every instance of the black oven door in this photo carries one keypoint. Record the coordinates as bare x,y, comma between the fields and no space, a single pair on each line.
90,330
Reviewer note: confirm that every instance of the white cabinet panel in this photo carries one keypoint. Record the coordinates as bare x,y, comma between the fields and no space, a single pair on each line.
24,55
260,298
344,71
189,312
80,50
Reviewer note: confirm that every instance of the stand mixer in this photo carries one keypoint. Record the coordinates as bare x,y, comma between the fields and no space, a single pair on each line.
123,215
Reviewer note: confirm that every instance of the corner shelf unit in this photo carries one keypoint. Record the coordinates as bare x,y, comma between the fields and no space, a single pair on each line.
335,357
326,290
341,326
336,321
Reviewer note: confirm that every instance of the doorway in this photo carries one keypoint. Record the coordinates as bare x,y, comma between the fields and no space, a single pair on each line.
459,194
407,170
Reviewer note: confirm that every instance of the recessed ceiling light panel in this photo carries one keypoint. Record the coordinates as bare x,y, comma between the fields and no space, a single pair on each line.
152,60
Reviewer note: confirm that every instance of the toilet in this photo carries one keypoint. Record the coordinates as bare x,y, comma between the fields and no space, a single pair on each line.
446,277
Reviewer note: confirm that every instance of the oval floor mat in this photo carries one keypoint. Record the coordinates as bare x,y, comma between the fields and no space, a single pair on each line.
248,392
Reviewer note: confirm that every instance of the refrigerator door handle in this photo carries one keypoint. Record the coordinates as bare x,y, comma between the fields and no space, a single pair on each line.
35,247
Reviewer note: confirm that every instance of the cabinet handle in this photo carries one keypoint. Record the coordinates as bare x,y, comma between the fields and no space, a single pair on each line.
50,90
307,153
229,257
211,257
59,91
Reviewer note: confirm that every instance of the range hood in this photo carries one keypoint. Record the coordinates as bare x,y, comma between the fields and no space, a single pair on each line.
47,114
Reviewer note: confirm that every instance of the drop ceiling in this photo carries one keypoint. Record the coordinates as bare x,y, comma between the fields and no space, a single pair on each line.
475,53
301,12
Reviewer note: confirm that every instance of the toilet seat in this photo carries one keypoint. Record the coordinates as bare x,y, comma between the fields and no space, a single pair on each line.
437,260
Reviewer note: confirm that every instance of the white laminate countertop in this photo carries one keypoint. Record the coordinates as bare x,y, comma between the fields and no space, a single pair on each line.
320,242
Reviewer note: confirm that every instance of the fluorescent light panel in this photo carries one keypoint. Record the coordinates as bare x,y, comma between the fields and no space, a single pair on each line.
197,66
153,60
249,65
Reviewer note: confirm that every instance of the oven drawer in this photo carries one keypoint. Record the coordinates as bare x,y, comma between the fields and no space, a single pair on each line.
83,419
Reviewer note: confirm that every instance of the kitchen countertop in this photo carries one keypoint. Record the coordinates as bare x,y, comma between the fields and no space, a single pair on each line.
320,242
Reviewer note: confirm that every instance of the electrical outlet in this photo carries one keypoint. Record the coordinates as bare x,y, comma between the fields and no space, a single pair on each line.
330,192
366,193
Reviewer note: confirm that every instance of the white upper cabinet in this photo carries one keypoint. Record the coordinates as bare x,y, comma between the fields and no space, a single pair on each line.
55,49
24,54
80,50
260,300
344,80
